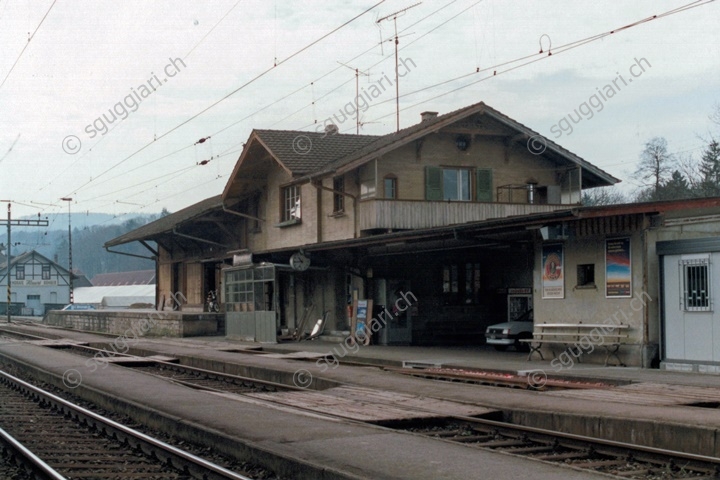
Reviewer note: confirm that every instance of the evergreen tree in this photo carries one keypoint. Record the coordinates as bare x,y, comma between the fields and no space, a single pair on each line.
674,189
710,170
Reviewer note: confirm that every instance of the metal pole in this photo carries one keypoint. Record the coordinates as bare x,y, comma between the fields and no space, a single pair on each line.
397,78
70,279
9,243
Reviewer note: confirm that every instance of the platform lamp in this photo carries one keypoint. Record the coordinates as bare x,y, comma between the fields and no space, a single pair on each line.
69,200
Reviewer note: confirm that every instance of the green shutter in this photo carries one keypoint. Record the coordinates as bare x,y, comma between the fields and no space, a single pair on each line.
433,183
484,185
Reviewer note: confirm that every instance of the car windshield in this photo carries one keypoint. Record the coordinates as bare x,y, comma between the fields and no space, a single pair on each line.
525,317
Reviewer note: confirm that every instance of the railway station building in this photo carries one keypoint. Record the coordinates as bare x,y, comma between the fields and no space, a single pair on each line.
457,215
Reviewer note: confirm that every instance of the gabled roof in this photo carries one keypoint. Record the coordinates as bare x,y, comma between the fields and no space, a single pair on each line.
593,175
298,152
168,222
28,255
305,152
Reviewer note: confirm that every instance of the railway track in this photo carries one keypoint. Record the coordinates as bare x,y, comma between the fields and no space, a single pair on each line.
50,437
621,460
584,453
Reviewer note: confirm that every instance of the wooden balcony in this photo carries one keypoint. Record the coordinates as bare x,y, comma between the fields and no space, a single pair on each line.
410,214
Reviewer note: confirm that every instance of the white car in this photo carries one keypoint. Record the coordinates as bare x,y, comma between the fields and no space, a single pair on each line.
502,335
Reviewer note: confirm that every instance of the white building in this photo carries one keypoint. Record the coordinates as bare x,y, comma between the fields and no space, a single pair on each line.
37,284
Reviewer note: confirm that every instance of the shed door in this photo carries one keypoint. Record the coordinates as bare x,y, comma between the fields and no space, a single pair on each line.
692,322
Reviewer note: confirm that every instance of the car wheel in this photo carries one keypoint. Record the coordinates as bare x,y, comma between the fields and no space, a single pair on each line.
522,346
500,348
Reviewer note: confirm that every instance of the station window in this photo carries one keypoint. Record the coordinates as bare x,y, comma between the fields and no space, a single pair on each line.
20,272
254,210
46,272
291,203
338,198
696,285
461,283
390,184
586,275
456,184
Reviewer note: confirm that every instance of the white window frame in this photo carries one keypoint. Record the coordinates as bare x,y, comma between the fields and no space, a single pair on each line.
291,203
689,300
462,185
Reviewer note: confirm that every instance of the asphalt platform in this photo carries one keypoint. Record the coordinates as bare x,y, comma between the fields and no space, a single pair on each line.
642,406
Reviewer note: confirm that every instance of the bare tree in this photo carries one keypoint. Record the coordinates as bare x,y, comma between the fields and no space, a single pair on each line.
603,196
689,167
656,163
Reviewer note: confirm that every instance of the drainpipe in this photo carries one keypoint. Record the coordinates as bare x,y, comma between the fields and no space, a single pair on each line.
356,219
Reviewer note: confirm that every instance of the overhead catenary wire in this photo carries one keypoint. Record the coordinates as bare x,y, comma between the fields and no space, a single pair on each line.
285,97
27,44
244,85
555,51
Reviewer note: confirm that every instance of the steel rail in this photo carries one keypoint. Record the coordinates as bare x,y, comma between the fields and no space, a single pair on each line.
203,371
124,431
39,467
590,440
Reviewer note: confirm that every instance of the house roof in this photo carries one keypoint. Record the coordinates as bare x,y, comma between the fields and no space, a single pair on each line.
306,152
137,277
27,255
168,222
592,175
297,152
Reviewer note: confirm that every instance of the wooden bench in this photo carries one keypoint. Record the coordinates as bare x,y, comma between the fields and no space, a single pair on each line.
611,338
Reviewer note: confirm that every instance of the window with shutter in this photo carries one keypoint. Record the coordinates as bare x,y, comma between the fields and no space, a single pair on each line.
433,183
484,185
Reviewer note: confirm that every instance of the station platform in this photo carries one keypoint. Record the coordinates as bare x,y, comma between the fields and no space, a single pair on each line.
646,407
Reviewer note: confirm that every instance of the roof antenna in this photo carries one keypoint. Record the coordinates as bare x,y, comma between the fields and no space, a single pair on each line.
397,41
357,94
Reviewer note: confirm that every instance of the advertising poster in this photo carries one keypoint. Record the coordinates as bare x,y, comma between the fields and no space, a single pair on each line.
618,274
553,278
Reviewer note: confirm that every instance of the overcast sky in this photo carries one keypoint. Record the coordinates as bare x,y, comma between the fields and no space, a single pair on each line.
160,63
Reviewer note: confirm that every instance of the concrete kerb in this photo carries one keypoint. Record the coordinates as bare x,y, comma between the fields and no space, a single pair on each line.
242,450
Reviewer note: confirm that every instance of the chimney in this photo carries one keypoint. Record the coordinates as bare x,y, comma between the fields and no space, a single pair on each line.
425,116
331,129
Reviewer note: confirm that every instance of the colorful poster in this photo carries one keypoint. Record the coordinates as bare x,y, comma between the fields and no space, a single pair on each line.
553,278
618,271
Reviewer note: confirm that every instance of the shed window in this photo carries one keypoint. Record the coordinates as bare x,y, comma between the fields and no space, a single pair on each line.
586,275
696,284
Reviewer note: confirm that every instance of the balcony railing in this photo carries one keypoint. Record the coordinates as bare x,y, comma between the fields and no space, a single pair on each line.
409,214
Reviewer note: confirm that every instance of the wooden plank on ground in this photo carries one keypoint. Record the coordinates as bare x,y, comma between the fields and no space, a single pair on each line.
370,405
